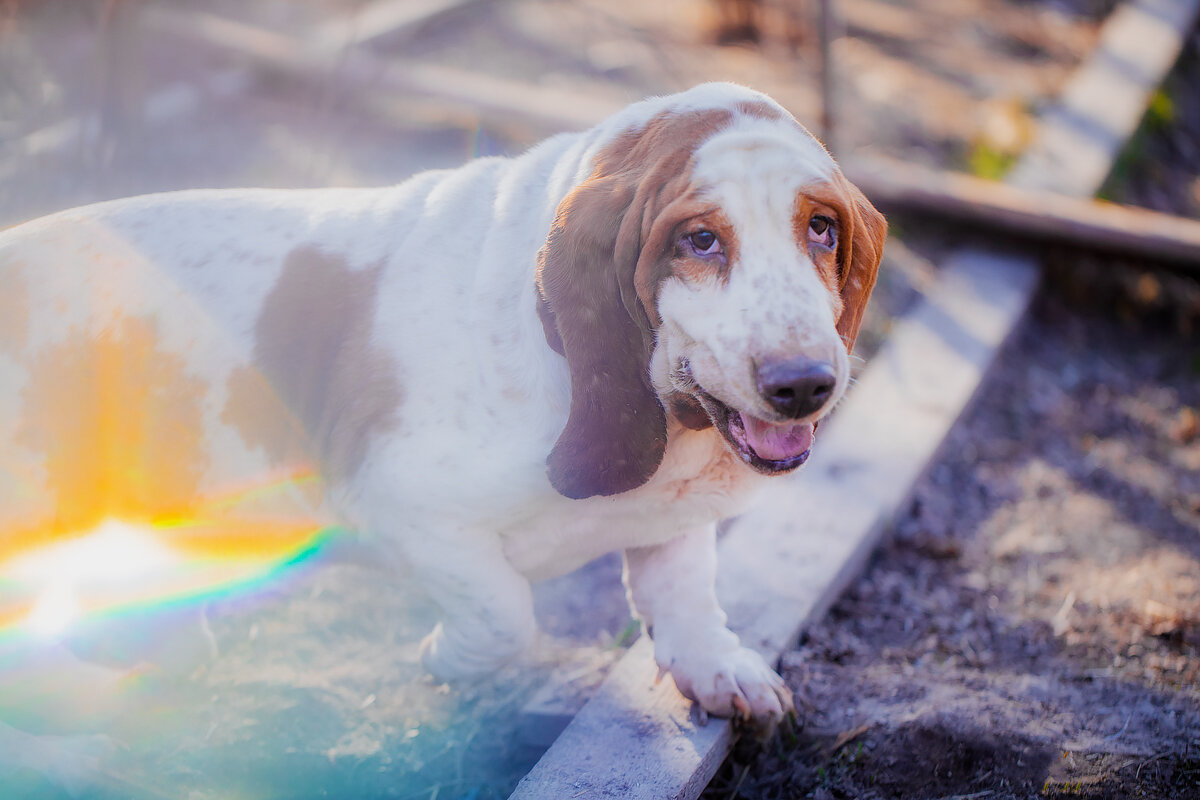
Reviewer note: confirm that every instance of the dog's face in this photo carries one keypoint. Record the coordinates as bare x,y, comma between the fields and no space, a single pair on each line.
749,315
714,268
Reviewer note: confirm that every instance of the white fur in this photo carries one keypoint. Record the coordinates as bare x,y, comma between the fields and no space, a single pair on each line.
458,486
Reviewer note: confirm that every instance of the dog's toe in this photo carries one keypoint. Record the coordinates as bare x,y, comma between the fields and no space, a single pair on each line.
736,683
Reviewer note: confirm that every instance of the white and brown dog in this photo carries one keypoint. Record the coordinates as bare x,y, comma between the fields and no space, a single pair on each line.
501,371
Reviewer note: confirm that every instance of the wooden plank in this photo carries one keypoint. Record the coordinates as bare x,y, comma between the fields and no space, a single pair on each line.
635,739
169,103
380,19
383,18
784,563
500,99
1100,108
1029,214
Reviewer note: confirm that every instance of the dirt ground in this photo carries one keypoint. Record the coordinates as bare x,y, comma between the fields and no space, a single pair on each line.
1031,629
310,687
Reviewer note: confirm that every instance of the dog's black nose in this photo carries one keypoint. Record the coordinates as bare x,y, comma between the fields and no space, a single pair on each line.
796,387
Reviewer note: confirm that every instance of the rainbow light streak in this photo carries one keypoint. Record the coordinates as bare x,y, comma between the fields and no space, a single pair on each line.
121,565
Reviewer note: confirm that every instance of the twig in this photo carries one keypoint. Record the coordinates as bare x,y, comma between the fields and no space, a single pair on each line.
733,792
846,737
1123,727
972,796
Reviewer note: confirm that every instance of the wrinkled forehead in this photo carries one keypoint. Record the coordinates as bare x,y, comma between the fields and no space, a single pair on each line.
770,159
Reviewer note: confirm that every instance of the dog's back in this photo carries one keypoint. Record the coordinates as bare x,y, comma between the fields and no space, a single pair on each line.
217,334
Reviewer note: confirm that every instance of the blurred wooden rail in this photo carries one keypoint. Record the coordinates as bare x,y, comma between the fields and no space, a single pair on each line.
366,75
1030,214
335,48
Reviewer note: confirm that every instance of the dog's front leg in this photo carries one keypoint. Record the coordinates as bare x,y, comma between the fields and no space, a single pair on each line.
487,605
672,588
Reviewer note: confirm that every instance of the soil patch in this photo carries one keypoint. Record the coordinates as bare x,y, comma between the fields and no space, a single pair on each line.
1032,627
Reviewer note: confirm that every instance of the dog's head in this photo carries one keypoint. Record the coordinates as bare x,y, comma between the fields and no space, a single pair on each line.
714,267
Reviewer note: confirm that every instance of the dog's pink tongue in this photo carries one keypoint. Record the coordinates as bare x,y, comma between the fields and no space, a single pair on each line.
777,442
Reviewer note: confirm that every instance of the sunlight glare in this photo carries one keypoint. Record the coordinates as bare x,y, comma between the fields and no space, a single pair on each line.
54,611
113,552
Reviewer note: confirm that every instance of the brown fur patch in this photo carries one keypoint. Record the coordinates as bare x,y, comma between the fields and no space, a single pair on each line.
313,346
689,412
14,309
263,420
826,261
861,258
861,234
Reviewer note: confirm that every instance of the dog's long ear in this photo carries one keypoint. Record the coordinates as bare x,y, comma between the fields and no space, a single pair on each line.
597,278
616,433
862,248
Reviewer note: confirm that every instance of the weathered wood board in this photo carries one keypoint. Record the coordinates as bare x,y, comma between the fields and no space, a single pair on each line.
1030,215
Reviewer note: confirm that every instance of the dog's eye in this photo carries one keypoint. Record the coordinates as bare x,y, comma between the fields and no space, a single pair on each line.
704,243
822,231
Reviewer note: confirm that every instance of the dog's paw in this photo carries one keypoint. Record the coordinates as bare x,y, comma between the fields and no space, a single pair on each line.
732,682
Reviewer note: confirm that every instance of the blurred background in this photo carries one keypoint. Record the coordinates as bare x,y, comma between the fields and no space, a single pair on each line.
118,96
1065,516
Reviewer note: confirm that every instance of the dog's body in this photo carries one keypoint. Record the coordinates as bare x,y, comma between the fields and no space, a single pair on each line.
501,371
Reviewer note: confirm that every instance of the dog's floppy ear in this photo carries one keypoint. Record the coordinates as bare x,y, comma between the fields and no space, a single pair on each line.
616,433
862,249
597,279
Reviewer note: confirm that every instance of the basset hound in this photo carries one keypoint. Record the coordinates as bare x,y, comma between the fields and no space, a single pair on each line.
500,371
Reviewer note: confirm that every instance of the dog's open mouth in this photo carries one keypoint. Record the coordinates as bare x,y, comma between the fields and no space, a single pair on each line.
778,447
768,447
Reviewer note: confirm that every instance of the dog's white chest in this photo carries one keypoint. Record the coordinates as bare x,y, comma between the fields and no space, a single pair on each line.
699,481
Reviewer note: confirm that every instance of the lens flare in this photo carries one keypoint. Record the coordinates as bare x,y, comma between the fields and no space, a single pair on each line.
122,564
53,611
143,459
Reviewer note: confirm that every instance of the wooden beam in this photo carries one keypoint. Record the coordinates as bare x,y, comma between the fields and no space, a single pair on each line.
172,102
828,30
383,18
1030,214
358,70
